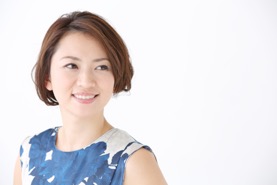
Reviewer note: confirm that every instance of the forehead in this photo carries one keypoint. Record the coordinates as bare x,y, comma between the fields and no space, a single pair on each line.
80,44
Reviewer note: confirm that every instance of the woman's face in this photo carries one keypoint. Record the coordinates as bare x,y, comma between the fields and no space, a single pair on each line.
80,75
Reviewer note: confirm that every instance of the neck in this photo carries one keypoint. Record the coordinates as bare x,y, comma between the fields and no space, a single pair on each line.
79,133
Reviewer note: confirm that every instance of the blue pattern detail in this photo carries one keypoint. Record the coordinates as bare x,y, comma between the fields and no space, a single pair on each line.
49,166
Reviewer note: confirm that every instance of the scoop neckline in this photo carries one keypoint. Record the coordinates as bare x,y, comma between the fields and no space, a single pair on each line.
55,130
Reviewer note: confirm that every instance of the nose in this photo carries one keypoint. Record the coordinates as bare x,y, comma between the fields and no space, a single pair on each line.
86,78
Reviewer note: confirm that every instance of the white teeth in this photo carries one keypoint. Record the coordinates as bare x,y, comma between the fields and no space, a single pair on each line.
84,97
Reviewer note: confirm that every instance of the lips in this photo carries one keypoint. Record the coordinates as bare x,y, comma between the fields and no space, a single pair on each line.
85,98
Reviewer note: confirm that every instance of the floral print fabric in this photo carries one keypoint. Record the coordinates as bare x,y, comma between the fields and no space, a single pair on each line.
101,163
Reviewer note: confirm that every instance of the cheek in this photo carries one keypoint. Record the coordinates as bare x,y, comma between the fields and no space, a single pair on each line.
111,83
107,84
60,79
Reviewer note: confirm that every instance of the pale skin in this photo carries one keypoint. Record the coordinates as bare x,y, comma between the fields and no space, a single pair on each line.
82,82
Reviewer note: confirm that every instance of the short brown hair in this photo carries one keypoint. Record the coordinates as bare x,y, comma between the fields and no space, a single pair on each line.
95,26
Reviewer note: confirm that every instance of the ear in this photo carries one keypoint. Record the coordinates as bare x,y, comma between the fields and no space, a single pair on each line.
48,84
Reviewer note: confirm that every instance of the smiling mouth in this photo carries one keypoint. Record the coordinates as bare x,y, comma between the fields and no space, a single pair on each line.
84,97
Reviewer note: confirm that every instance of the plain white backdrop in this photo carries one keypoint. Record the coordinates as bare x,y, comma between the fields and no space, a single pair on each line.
204,93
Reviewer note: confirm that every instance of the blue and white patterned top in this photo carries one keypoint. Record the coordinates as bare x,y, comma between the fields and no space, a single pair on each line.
101,163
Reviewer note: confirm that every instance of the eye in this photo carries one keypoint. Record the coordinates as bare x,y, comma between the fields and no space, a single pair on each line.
71,66
102,67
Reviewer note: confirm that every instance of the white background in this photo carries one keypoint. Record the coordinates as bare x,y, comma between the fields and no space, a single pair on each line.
204,91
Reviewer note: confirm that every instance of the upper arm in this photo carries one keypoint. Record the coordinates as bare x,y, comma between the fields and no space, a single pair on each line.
142,168
17,172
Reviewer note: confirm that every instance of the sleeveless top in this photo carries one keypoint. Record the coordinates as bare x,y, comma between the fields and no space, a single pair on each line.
100,163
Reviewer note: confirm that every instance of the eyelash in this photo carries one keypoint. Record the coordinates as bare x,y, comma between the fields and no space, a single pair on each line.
71,66
101,67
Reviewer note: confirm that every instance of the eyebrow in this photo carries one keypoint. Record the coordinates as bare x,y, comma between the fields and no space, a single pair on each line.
78,59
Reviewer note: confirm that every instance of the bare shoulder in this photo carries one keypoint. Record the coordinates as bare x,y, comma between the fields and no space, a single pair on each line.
142,168
17,172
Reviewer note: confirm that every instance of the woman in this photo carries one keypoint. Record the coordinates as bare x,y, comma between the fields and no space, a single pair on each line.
83,62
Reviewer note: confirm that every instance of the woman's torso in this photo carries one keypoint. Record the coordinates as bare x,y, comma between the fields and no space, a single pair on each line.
101,163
